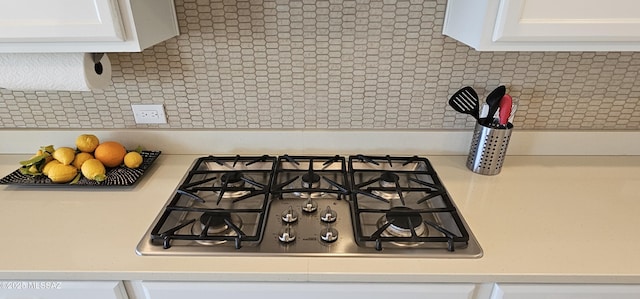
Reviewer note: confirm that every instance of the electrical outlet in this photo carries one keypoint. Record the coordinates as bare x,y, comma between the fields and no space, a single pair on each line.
149,114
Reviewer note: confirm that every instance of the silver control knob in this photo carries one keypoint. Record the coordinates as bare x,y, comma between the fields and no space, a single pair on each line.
289,215
310,206
328,215
329,234
287,234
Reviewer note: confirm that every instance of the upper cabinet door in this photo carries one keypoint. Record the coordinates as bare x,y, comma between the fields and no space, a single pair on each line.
545,25
37,26
60,20
568,20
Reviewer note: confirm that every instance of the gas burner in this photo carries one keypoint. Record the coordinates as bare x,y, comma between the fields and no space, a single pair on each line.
310,180
388,179
234,179
218,226
401,222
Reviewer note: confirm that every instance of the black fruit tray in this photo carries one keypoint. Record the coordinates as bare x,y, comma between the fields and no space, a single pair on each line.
116,176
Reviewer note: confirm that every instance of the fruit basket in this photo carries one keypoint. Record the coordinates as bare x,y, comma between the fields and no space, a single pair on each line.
116,176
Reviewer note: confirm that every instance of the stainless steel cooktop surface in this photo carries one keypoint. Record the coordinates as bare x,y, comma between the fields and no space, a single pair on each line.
311,206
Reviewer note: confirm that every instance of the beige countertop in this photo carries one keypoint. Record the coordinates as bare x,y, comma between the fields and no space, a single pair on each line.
543,219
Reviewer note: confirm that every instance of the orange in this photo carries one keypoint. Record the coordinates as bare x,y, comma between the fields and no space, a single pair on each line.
110,153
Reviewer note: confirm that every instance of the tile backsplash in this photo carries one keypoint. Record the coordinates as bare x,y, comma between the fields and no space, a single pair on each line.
343,64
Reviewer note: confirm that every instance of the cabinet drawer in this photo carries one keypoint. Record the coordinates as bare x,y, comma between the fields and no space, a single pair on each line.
564,291
10,289
306,290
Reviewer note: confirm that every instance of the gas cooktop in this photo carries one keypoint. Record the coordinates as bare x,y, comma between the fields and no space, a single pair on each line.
360,205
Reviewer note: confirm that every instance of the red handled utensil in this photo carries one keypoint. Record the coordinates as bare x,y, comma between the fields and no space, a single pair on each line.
505,109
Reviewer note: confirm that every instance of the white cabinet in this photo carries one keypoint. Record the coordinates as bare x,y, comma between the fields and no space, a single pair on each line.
564,291
77,20
545,25
306,290
10,289
85,25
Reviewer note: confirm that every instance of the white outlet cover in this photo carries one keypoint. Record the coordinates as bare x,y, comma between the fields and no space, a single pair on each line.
149,114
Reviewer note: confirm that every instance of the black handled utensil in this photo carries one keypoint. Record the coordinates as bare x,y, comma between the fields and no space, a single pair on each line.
465,101
493,100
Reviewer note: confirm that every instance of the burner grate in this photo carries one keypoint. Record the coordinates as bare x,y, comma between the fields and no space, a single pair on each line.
401,202
228,192
300,175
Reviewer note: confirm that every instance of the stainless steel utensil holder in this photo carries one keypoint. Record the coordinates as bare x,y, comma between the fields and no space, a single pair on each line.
488,148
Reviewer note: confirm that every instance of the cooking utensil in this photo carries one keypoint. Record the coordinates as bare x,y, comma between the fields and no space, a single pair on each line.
484,110
514,107
505,109
465,101
493,99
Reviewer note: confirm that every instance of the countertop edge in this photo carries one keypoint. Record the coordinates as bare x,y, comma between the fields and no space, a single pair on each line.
304,141
177,276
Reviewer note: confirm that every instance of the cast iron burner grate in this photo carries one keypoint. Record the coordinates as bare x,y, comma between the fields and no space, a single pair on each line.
308,175
408,200
221,200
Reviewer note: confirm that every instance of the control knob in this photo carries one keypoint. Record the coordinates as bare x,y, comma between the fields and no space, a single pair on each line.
287,234
310,206
328,215
329,234
289,215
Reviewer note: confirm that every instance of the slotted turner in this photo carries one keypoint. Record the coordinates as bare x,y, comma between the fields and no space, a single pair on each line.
465,101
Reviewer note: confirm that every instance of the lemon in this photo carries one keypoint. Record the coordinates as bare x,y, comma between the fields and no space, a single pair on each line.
62,173
81,158
45,169
87,143
93,169
64,155
133,159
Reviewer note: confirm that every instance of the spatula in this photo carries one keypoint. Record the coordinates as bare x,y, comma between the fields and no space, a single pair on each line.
465,101
493,100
